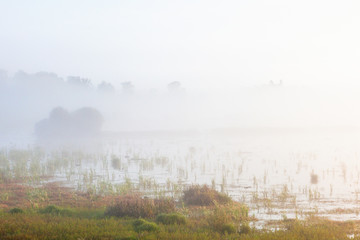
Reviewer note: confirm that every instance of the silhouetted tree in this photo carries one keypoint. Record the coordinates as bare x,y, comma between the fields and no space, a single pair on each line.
3,76
21,76
175,87
106,87
127,87
84,122
78,81
46,78
39,80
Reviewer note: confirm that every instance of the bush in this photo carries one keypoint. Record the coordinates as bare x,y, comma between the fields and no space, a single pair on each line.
245,229
141,225
128,238
204,196
139,222
135,206
228,229
116,163
172,218
148,227
16,210
54,210
51,209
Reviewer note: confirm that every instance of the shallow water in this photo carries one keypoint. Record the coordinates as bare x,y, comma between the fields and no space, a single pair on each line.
268,170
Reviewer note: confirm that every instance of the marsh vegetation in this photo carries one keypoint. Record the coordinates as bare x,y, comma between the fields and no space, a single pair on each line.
224,183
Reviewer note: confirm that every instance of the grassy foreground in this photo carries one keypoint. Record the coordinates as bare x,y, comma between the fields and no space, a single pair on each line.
35,225
202,213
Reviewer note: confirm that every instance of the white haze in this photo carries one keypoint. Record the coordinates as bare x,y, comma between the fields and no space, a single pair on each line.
22,105
224,54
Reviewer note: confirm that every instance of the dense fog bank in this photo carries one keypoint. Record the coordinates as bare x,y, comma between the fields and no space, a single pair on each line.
26,99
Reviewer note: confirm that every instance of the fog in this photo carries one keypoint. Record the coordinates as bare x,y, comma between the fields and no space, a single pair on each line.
258,99
180,66
28,98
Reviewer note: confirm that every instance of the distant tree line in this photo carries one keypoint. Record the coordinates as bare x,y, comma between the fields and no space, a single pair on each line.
46,80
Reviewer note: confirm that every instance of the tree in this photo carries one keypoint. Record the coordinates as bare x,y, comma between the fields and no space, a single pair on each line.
84,122
175,87
106,87
3,76
127,87
78,81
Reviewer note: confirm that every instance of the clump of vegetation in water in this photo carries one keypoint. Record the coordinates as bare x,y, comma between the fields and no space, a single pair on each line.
204,196
224,218
116,162
314,179
137,206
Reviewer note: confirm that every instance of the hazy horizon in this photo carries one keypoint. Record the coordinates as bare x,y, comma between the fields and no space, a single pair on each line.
222,55
203,44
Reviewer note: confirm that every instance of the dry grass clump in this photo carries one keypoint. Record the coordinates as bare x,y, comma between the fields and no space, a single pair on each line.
204,196
137,206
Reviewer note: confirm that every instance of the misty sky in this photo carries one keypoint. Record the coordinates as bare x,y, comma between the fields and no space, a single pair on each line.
202,43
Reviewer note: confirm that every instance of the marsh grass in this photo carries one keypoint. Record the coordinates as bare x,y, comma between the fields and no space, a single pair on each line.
76,219
204,196
141,225
171,218
34,225
137,206
16,210
99,184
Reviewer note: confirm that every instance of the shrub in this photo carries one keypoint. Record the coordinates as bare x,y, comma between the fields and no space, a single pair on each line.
136,206
148,227
55,210
139,222
51,209
128,238
245,229
116,163
204,196
172,218
228,228
16,210
141,225
314,179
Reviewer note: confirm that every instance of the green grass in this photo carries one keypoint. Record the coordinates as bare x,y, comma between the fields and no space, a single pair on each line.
44,224
16,210
211,215
73,212
141,225
171,218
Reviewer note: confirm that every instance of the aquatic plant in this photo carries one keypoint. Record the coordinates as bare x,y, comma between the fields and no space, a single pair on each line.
204,196
137,206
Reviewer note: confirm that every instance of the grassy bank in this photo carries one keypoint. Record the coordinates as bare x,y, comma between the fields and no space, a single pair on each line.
54,212
79,224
